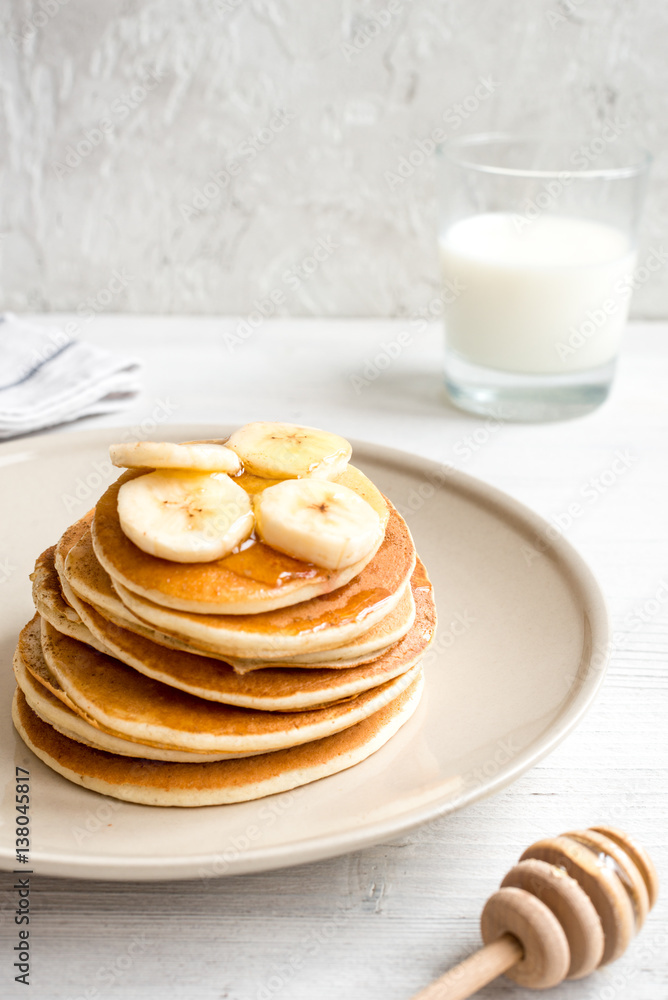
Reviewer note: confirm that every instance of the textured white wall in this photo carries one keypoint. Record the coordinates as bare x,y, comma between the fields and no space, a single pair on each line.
222,141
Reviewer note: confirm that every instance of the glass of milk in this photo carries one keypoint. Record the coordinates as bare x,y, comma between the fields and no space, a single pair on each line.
538,247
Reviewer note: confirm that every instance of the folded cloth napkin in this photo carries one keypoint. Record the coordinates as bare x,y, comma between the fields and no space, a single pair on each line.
48,378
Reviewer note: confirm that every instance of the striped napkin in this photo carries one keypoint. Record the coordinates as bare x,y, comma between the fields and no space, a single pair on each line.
47,378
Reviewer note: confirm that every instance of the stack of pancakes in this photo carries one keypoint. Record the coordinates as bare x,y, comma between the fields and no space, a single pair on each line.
194,684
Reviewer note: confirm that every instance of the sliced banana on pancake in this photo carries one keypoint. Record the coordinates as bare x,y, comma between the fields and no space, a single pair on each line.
202,456
317,521
187,517
289,451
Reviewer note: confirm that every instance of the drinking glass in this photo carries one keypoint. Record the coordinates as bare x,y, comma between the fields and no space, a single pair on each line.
538,249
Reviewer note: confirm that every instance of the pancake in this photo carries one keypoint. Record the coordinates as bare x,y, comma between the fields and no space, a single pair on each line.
29,654
272,689
81,576
54,712
136,707
321,623
325,659
379,639
50,603
281,688
190,684
29,663
160,783
255,579
45,588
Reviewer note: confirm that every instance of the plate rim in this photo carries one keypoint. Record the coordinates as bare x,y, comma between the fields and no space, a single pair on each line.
321,847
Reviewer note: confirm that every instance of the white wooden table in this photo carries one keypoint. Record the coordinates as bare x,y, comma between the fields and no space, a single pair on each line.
381,923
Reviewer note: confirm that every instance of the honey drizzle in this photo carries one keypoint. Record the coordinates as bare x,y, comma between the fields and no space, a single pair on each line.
356,609
256,561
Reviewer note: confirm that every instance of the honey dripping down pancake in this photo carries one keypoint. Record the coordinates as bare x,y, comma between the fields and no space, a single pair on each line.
127,703
81,575
235,617
319,624
272,689
256,578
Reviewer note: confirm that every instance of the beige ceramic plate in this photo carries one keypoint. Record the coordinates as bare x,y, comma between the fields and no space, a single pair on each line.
521,652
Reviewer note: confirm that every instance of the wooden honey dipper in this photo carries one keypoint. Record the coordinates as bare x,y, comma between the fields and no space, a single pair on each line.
571,904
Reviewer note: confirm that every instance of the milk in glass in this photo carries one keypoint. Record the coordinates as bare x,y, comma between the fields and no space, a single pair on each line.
543,296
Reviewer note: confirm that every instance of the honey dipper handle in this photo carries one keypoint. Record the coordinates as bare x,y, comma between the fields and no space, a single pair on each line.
475,971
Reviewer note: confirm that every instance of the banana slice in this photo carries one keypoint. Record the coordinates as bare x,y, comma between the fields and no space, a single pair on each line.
317,521
288,451
206,456
185,516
